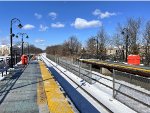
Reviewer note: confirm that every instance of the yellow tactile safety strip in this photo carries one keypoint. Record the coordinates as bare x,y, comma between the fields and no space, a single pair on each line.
57,103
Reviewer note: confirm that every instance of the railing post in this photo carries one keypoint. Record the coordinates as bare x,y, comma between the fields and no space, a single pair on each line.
100,69
113,83
130,78
66,64
91,73
73,60
58,60
79,68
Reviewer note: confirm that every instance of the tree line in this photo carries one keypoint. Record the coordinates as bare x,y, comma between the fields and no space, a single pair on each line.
134,33
70,47
31,49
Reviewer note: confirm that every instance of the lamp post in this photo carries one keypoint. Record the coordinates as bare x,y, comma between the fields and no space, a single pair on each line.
28,50
96,46
27,46
126,31
14,20
15,54
22,35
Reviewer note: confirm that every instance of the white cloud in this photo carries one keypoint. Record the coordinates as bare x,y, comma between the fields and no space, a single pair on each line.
53,15
28,27
38,16
57,25
43,28
102,15
82,23
39,40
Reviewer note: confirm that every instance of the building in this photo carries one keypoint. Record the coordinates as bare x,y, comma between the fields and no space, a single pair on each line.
4,50
115,53
111,51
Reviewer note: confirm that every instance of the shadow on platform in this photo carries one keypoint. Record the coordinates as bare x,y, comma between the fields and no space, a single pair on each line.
7,83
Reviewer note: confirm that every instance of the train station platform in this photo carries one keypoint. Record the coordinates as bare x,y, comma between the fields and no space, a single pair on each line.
32,90
137,70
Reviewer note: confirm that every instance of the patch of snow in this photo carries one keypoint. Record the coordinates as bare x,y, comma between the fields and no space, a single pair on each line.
1,78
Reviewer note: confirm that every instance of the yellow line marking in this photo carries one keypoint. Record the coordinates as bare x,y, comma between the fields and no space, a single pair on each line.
57,103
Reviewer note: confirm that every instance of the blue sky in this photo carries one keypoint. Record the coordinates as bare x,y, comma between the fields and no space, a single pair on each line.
49,23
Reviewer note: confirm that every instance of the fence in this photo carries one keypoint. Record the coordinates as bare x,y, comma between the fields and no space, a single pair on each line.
121,84
137,99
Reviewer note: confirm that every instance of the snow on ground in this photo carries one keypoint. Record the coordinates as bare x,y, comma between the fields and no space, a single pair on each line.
4,75
131,103
122,82
104,96
1,78
19,63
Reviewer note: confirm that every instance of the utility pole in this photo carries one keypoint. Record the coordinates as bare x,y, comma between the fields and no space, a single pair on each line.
125,31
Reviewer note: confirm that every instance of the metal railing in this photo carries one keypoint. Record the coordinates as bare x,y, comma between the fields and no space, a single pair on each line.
118,87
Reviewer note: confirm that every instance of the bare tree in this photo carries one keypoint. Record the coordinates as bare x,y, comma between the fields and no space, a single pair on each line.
102,42
65,51
91,46
146,35
120,37
70,47
34,50
133,26
74,45
54,50
117,41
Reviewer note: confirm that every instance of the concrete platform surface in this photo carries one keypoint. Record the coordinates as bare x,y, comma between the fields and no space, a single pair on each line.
18,93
